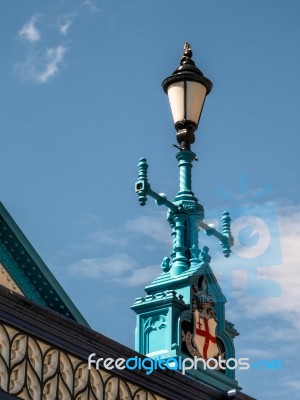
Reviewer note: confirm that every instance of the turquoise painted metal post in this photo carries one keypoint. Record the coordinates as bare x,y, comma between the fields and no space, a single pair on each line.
194,240
180,261
191,209
185,159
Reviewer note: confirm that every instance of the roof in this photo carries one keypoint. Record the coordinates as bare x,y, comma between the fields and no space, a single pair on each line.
27,274
58,331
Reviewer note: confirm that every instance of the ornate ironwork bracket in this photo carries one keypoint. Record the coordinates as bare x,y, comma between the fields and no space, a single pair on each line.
226,238
142,188
184,211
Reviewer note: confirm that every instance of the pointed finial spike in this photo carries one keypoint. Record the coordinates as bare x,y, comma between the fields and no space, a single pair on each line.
186,58
187,53
187,46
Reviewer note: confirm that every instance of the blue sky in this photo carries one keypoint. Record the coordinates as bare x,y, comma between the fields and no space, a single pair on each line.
81,101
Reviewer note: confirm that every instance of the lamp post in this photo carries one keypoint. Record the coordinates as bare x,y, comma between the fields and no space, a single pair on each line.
187,89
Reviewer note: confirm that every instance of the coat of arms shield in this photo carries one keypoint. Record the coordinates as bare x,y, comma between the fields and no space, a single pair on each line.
200,337
204,335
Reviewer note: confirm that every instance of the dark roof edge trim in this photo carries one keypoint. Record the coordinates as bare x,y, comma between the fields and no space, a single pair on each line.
41,265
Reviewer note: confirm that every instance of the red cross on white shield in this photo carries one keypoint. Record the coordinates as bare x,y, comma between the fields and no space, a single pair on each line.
205,336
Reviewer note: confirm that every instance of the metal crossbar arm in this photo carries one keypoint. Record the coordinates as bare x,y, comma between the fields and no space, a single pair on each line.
226,238
211,231
143,189
185,211
161,199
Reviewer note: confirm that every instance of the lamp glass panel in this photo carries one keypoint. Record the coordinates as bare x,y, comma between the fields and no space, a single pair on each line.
195,96
176,99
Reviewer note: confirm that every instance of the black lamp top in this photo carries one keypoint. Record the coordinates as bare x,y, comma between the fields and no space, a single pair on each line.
186,58
187,71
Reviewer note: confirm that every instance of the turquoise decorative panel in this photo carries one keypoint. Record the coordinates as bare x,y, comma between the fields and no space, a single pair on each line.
156,334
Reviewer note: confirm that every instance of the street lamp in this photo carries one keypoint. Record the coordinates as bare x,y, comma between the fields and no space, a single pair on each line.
180,313
186,88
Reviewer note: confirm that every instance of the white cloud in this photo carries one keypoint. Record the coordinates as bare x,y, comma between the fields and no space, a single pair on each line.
107,237
259,353
153,226
27,69
112,267
286,387
292,384
29,31
91,5
271,325
89,218
65,27
65,22
52,59
287,274
141,276
119,268
101,238
41,65
43,60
